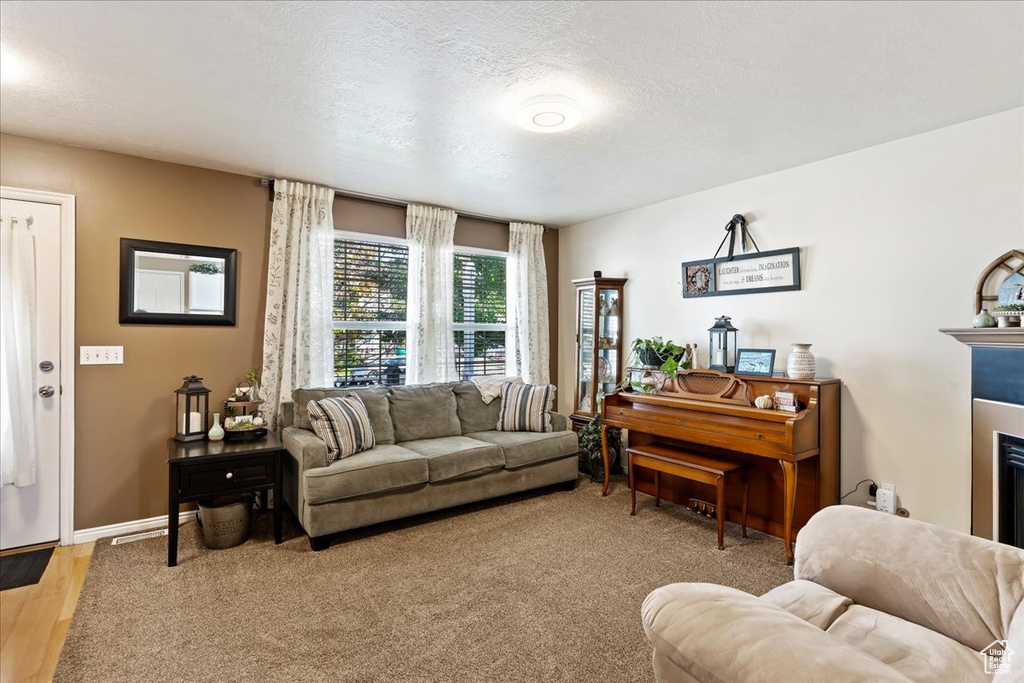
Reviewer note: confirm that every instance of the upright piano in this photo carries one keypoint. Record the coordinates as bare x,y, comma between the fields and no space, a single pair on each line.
705,411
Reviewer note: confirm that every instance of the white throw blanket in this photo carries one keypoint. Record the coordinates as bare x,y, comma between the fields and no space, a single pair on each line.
490,385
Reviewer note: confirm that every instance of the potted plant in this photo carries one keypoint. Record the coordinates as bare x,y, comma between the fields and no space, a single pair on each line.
1009,314
590,446
657,353
252,375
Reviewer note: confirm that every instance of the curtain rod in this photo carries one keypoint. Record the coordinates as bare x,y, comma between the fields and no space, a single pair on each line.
387,201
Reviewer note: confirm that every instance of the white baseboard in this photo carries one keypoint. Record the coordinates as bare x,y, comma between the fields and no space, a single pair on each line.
95,533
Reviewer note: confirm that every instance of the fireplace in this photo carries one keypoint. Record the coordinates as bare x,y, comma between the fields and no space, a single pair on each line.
997,390
997,415
1011,491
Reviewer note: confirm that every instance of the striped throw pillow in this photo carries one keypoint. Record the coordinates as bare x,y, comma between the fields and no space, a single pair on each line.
343,424
526,407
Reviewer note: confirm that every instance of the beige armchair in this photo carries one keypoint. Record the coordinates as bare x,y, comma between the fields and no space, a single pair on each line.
875,598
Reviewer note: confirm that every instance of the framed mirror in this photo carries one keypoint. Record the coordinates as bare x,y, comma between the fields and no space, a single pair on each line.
177,284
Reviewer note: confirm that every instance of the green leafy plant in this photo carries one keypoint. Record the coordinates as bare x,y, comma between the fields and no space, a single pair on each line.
656,352
252,376
205,269
1011,308
589,438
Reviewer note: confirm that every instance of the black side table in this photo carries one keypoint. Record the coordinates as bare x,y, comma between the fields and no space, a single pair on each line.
207,469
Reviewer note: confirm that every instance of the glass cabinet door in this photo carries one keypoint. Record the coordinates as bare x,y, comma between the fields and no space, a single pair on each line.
608,343
599,353
585,372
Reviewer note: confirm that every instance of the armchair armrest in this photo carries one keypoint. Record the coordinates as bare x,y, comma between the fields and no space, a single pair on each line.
559,422
306,447
717,634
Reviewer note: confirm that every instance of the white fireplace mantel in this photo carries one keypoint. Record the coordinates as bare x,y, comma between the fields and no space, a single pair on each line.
988,337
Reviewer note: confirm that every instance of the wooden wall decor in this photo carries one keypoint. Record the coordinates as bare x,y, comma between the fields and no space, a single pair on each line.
1009,264
760,272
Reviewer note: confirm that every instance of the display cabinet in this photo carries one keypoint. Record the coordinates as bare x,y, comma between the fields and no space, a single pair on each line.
599,352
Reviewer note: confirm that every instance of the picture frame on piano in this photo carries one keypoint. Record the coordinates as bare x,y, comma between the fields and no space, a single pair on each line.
759,362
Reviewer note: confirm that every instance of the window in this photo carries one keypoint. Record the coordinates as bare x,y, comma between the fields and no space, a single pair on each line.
370,282
479,320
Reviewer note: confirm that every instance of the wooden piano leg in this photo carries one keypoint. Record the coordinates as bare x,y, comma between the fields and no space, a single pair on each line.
720,510
746,495
604,458
632,485
789,476
657,489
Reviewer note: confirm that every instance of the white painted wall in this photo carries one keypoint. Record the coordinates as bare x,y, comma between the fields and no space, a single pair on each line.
893,239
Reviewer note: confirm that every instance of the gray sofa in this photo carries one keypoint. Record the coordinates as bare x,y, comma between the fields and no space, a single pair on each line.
436,447
875,598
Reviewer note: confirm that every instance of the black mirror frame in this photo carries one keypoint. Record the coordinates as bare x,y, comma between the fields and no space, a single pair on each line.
130,316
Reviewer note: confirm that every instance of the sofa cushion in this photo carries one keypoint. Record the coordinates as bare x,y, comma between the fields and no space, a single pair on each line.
374,398
383,468
453,457
474,414
918,653
809,601
526,407
341,422
529,448
424,412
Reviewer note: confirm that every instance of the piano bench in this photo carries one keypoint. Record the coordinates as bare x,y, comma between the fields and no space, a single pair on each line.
700,468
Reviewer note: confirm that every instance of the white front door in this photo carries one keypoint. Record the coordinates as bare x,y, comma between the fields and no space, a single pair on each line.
31,514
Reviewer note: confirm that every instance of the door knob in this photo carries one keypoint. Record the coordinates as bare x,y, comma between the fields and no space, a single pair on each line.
46,392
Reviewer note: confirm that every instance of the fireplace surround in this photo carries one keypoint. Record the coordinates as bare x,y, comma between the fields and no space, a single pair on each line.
997,412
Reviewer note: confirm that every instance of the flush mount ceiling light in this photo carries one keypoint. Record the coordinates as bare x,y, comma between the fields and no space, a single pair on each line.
548,114
12,69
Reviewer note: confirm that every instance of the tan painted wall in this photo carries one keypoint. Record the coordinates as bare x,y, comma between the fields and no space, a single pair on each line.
125,413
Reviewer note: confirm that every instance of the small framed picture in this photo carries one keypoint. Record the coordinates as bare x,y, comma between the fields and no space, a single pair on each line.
755,362
243,420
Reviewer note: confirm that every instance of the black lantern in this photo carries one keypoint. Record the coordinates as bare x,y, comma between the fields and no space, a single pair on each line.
192,409
722,349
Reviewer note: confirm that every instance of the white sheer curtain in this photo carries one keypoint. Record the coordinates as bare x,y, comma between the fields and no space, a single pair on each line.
527,347
18,453
298,344
430,343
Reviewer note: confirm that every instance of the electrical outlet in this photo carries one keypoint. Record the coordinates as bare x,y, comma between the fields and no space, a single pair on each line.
101,355
886,498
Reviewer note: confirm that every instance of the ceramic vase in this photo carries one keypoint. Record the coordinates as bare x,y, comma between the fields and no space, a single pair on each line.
984,319
801,362
216,432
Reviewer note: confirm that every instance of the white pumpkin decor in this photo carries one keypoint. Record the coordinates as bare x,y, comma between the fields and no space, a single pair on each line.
229,423
258,420
764,402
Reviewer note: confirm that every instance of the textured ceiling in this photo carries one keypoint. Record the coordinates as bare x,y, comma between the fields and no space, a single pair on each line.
414,100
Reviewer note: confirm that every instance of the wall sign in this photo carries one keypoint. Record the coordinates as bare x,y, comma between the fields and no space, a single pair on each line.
764,271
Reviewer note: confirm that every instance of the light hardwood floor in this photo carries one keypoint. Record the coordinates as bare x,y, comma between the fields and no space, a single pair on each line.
34,620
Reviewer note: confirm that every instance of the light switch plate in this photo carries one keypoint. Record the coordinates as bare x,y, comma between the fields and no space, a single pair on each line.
101,355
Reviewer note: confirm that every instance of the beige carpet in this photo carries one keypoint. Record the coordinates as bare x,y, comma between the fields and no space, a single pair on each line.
540,587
